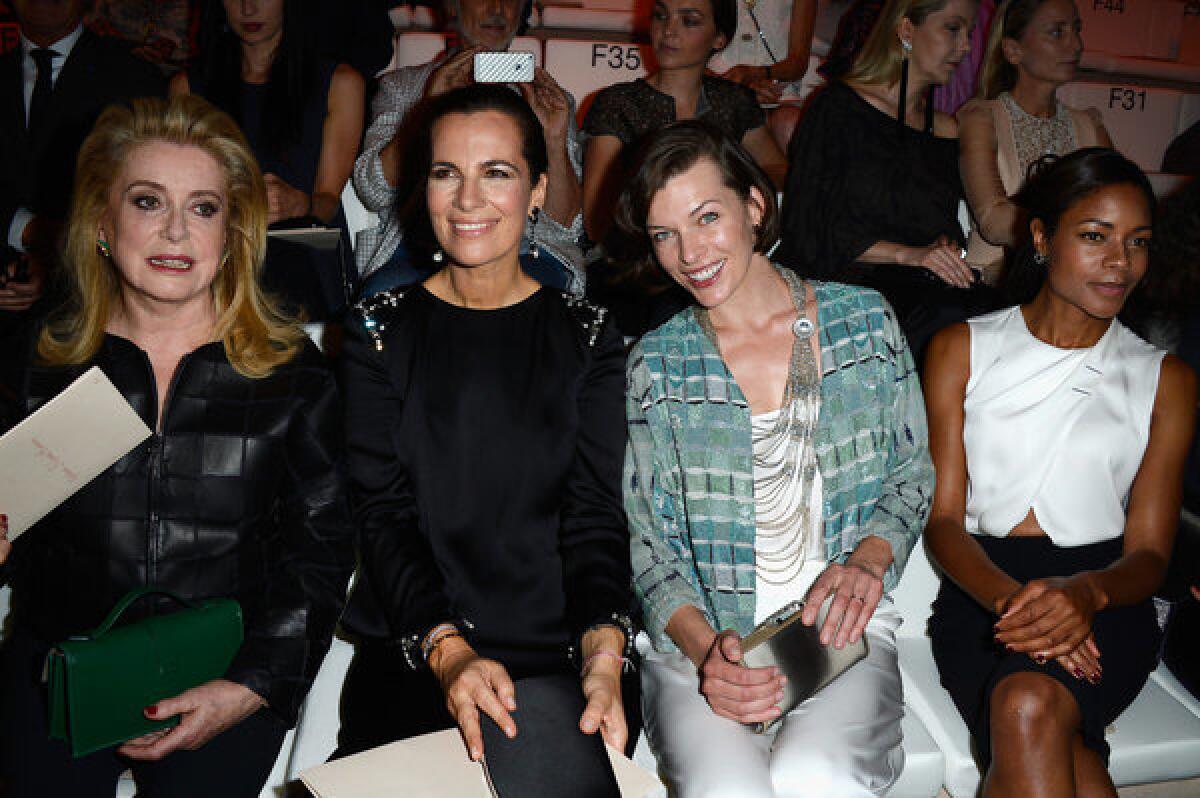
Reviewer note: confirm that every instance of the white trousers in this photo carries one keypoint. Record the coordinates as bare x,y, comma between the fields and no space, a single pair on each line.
844,742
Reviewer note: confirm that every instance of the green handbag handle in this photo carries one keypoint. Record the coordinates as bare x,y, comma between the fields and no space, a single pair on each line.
124,604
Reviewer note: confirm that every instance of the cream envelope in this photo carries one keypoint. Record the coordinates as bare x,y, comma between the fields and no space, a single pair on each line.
434,766
64,446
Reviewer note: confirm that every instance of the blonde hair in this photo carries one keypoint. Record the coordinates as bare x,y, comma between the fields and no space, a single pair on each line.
257,335
996,74
879,61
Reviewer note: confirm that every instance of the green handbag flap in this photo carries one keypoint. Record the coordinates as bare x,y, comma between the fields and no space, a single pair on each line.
99,684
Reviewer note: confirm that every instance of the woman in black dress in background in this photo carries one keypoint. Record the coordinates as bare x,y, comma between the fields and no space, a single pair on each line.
873,187
486,434
303,115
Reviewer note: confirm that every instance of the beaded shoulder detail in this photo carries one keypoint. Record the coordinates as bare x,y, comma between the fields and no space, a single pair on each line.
590,316
376,312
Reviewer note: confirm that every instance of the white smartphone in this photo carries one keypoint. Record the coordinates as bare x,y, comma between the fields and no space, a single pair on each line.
504,67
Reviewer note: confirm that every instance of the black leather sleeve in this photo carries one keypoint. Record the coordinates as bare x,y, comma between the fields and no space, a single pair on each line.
310,557
595,537
395,555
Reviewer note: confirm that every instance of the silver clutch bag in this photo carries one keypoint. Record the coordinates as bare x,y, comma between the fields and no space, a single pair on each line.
784,642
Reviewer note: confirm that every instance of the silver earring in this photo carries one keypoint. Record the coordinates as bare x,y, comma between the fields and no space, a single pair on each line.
534,250
1040,259
906,46
438,257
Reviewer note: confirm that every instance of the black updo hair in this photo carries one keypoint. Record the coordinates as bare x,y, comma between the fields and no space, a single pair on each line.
476,98
1054,184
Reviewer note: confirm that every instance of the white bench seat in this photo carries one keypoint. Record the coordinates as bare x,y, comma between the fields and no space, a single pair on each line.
1156,739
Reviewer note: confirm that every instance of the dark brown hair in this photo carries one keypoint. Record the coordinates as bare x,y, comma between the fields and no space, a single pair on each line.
668,153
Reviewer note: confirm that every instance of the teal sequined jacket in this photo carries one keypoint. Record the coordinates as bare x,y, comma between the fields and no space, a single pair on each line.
689,487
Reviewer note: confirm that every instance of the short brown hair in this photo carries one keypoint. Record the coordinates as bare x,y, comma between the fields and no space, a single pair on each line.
668,153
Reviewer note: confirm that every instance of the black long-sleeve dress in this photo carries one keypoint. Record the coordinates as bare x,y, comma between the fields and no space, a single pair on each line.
486,450
856,176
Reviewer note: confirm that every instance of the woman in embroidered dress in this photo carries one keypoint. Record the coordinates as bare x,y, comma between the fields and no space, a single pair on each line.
485,441
1033,49
1059,439
777,452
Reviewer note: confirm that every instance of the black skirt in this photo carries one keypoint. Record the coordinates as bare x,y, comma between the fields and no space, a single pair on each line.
971,663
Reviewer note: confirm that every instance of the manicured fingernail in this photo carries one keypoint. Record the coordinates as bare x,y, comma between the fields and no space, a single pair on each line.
510,731
475,754
151,710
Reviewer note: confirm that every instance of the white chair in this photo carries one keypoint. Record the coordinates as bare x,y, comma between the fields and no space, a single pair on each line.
1156,739
1142,120
584,67
416,47
592,19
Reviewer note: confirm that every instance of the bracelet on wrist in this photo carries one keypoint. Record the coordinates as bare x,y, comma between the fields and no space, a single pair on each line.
625,662
436,635
621,622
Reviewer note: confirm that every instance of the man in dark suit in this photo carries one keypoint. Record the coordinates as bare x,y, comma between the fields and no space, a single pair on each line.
52,88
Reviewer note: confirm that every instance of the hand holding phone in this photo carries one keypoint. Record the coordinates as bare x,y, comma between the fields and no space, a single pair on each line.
504,67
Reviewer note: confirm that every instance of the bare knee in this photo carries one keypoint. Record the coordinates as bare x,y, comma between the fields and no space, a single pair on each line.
1030,707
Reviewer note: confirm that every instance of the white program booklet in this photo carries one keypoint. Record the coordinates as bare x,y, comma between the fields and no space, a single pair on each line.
63,446
436,766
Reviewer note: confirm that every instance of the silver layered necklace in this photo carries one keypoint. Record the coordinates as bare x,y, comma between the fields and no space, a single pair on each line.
785,461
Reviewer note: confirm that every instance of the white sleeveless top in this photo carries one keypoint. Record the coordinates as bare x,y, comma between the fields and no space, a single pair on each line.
803,553
1058,431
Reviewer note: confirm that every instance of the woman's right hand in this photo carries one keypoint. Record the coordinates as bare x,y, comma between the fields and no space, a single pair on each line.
5,546
734,691
1084,661
472,683
943,258
456,72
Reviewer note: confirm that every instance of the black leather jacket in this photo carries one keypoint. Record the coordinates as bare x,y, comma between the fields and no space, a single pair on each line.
241,495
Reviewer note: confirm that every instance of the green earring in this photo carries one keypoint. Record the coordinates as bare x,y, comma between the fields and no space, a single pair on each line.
102,248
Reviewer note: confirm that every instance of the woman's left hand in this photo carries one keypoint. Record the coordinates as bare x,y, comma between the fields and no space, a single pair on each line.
284,201
766,91
550,103
1047,618
604,710
856,588
205,712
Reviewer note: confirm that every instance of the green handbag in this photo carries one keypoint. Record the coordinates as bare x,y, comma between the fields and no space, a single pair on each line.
100,682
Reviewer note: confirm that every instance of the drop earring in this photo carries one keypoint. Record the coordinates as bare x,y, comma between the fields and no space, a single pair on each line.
906,47
437,256
534,250
103,248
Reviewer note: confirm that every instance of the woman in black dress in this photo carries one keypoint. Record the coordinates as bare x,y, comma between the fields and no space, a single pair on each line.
486,433
303,115
873,188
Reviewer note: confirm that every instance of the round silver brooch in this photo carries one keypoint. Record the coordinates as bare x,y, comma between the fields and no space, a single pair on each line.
802,327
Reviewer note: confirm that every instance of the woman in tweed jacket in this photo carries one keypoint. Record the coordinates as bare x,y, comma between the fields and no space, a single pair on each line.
700,491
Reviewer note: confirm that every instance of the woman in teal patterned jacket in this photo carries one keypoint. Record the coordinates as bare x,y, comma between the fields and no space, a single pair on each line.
740,502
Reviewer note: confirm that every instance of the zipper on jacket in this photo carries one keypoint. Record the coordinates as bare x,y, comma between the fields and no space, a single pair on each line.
156,468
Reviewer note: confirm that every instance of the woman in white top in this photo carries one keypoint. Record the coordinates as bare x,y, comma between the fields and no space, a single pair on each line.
1033,49
1059,438
770,47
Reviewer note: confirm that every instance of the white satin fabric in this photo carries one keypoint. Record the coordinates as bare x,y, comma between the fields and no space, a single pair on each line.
843,742
1058,431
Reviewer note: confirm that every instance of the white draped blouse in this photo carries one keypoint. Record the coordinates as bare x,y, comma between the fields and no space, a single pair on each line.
1058,431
